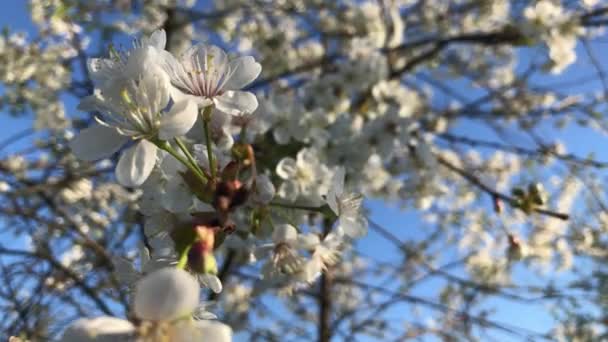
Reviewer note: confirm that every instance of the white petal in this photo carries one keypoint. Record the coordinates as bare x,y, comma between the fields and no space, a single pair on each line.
245,70
338,181
236,102
264,188
284,233
158,39
136,164
96,142
101,69
215,331
101,329
155,88
289,190
177,198
212,58
193,331
337,187
308,241
179,120
91,103
286,168
281,135
355,228
143,61
178,96
211,281
165,295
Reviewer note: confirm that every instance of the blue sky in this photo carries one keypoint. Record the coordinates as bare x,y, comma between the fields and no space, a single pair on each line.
403,223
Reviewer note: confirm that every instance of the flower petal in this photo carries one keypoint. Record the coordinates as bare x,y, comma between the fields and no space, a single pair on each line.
165,295
264,189
284,233
177,197
136,164
179,96
236,102
101,329
353,227
289,190
336,190
96,142
158,39
245,70
215,331
179,120
211,281
287,168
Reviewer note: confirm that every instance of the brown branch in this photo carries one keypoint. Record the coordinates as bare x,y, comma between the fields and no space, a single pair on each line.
474,180
542,151
324,298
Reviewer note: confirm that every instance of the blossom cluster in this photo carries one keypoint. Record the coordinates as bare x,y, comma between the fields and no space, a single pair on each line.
179,124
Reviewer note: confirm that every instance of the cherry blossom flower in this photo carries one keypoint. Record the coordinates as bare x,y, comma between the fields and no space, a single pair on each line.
205,74
304,176
136,112
347,206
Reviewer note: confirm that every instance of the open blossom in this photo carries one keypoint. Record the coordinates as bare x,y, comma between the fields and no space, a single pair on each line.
132,99
304,176
164,302
325,253
130,64
204,74
347,206
135,110
285,257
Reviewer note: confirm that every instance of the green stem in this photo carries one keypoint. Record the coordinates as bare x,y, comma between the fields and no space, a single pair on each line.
163,145
206,119
295,206
183,258
191,159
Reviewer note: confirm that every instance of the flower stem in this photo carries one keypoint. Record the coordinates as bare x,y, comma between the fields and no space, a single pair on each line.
183,258
295,206
206,119
164,145
191,159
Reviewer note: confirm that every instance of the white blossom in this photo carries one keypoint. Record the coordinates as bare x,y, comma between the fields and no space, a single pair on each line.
205,74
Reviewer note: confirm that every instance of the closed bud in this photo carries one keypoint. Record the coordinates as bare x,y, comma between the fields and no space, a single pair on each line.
201,259
206,238
515,251
497,205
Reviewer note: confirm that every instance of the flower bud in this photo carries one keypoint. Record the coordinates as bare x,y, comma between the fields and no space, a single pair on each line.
201,259
515,251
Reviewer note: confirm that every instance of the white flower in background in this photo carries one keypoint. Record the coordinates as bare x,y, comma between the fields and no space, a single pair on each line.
304,176
264,189
164,302
347,206
325,253
204,74
135,110
548,20
561,51
544,13
285,258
